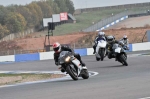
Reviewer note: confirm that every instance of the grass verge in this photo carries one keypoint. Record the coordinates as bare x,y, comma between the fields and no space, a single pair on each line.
7,79
84,20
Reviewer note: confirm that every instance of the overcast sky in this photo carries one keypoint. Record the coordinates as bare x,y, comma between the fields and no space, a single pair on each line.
80,3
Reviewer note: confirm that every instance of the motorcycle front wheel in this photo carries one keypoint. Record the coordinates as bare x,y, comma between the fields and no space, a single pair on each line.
72,72
123,59
102,54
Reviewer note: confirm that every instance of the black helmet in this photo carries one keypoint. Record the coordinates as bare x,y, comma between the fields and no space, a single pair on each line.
110,38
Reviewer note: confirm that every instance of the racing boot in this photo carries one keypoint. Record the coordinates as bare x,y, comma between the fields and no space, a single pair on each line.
82,63
106,53
94,52
62,69
109,56
116,59
94,47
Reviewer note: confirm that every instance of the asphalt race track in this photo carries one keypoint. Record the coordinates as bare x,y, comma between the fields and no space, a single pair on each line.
114,81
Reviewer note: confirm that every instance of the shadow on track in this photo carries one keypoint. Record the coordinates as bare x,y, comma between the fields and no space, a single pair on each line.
113,66
96,61
67,80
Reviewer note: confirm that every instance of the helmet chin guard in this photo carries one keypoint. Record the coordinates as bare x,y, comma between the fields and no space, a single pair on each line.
57,47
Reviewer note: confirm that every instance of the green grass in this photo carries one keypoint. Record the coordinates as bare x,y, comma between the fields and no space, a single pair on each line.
23,75
140,9
85,20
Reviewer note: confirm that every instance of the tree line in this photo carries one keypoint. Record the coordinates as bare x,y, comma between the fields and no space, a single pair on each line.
17,18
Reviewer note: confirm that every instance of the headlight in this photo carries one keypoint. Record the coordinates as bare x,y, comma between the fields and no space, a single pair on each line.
67,59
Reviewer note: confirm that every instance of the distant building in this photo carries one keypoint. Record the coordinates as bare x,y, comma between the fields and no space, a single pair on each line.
71,18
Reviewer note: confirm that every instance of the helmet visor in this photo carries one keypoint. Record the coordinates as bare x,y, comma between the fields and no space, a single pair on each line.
56,49
125,38
100,36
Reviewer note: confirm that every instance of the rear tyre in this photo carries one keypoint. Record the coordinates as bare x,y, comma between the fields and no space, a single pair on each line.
85,74
97,59
72,72
123,59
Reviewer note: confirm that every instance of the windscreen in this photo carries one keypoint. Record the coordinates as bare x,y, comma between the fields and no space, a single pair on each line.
63,53
115,46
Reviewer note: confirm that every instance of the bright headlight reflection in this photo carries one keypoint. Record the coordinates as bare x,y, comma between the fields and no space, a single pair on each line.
67,59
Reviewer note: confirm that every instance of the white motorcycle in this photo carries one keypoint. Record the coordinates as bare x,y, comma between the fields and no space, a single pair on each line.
101,50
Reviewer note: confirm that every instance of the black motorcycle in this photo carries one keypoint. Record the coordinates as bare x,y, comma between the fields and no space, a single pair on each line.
120,54
72,66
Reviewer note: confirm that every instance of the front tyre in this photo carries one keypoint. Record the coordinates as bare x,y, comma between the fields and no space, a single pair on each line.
102,54
85,74
72,72
123,60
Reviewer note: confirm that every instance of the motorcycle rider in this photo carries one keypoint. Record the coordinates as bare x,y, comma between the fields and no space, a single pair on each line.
110,41
126,42
101,36
57,47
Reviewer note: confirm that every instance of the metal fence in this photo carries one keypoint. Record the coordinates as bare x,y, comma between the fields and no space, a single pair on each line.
14,52
109,20
17,35
75,45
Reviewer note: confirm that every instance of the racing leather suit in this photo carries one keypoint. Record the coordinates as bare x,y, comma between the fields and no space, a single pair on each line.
126,43
97,38
66,48
110,50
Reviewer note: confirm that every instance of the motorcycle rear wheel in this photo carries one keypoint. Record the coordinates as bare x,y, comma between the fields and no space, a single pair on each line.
97,59
85,74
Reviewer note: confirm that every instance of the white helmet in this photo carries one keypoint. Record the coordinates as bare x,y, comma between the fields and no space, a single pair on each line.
101,33
56,47
125,37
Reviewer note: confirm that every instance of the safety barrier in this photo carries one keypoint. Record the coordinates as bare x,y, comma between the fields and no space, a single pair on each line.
9,58
141,46
46,55
27,57
82,52
49,55
113,23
